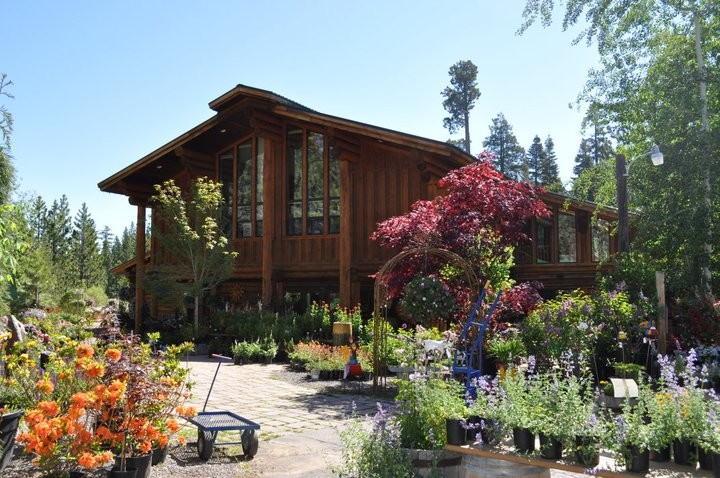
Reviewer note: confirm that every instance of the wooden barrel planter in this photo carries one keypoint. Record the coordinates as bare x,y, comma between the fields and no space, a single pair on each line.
447,462
481,467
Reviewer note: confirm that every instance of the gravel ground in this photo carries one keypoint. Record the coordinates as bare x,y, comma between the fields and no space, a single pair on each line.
226,462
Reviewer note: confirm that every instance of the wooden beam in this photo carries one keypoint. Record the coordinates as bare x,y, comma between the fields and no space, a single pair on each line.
139,266
272,156
346,235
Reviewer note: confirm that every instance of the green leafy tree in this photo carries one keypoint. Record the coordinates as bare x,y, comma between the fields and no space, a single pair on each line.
460,98
504,145
534,159
191,234
658,82
33,279
7,171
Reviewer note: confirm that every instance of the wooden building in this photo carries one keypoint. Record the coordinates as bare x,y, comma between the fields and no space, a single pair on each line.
305,190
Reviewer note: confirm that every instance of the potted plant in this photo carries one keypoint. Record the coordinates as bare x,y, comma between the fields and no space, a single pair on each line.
506,348
518,408
268,349
241,351
483,424
628,436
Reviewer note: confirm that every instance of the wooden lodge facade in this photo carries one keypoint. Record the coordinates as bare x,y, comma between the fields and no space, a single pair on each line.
304,191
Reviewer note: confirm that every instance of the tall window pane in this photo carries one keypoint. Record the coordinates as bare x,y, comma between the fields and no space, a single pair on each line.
523,250
567,237
315,183
225,176
544,240
244,189
600,240
333,193
259,170
294,156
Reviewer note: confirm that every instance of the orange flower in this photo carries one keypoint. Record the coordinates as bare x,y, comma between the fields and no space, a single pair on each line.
45,386
146,446
182,441
50,409
189,411
94,370
84,350
87,460
113,355
172,425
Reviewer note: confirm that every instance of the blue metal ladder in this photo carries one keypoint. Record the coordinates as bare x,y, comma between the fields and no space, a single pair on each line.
468,360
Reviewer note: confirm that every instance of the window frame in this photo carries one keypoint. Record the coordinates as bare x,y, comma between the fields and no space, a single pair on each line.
234,190
327,158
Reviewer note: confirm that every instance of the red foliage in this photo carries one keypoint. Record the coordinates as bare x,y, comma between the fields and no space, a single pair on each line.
517,302
480,203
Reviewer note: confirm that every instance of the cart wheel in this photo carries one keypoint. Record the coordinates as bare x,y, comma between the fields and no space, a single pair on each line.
249,443
205,444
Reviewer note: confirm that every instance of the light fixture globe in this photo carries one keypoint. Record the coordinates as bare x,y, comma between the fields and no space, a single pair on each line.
656,155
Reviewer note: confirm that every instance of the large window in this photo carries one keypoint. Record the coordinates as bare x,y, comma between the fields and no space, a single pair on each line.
567,238
241,172
600,240
543,238
313,184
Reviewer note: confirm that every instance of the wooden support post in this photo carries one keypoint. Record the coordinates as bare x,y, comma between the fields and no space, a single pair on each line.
346,235
272,159
139,266
662,317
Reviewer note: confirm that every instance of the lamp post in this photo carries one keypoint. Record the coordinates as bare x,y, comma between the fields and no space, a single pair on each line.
622,170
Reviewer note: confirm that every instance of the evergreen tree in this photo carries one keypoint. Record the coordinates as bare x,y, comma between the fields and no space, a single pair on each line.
58,230
549,174
503,144
87,262
37,218
584,159
535,155
460,98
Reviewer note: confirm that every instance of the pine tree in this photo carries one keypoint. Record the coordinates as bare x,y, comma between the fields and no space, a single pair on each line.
549,174
584,159
503,144
58,230
460,98
38,217
87,262
534,157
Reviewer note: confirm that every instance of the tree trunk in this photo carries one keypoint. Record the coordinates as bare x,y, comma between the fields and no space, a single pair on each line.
196,317
705,274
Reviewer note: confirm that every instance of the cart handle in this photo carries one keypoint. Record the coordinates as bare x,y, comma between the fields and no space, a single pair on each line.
212,384
220,356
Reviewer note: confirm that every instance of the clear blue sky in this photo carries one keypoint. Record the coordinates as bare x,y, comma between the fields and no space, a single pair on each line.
100,84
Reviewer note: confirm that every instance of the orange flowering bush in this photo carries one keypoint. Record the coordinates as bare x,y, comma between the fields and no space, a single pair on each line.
91,401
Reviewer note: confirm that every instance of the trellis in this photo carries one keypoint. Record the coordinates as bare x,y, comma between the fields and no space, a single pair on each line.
380,297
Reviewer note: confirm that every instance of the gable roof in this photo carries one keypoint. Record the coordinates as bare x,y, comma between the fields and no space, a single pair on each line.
232,114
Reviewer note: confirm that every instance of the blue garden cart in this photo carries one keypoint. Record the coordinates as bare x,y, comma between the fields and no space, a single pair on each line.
211,423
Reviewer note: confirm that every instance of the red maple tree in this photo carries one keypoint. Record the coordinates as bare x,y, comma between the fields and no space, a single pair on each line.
479,207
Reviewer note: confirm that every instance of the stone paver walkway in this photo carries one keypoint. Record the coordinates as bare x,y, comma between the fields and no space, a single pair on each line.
299,424
256,392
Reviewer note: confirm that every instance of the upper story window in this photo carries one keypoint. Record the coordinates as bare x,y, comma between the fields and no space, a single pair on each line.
567,238
313,184
600,240
241,173
543,240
